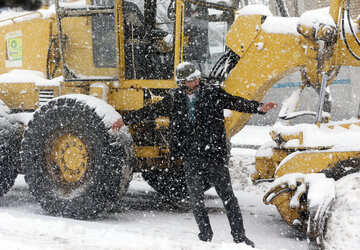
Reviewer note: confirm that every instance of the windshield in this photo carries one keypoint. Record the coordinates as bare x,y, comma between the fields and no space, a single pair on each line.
104,37
88,39
204,30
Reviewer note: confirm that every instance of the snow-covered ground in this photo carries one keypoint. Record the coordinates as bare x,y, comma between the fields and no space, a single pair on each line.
144,220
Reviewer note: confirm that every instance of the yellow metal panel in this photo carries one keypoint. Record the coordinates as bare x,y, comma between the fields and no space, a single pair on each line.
335,8
259,69
150,151
18,95
242,33
281,197
98,92
279,154
78,48
179,31
119,20
75,88
347,126
312,162
126,99
282,203
265,168
34,36
343,56
151,84
162,122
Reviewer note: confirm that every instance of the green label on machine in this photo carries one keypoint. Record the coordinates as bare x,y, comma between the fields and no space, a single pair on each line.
14,49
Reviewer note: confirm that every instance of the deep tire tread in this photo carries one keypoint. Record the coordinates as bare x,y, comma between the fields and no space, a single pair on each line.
104,182
10,139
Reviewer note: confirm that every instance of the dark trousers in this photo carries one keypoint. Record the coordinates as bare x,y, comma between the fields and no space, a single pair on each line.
198,172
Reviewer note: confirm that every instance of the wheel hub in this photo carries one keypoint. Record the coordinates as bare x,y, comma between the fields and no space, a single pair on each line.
69,158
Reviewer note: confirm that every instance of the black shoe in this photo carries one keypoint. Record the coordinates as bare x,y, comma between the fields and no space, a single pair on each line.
244,239
205,237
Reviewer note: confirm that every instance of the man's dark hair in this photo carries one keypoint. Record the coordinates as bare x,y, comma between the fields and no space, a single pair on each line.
25,4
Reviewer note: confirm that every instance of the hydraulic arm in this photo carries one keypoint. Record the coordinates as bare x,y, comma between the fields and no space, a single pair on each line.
270,48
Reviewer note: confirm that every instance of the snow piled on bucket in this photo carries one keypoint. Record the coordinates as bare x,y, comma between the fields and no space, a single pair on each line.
343,226
320,190
327,135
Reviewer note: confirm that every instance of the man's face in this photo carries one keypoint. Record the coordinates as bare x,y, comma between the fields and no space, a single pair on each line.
192,86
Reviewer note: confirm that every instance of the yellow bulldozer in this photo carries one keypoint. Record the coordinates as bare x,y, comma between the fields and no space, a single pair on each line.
80,65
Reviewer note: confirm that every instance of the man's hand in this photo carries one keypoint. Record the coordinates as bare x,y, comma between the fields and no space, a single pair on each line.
268,106
118,125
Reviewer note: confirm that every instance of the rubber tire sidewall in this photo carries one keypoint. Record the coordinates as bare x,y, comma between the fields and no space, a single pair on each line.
10,140
104,180
170,182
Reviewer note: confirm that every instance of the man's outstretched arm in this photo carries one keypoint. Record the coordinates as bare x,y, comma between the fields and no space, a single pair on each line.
240,104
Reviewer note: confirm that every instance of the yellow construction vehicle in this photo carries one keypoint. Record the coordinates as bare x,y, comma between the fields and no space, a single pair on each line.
81,66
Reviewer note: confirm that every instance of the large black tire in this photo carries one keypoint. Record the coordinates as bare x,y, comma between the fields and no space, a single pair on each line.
343,168
169,182
74,164
10,139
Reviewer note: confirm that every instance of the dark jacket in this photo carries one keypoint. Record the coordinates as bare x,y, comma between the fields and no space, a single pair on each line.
207,136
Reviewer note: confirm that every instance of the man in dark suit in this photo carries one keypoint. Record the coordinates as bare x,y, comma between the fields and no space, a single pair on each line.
198,137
